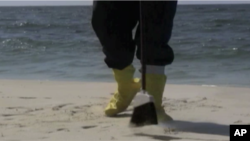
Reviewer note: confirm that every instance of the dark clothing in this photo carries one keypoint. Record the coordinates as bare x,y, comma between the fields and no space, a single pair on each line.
114,21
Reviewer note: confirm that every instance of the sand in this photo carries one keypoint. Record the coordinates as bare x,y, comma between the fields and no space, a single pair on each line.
71,111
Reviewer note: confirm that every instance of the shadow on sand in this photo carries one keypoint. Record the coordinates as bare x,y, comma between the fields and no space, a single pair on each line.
191,127
124,115
199,127
158,137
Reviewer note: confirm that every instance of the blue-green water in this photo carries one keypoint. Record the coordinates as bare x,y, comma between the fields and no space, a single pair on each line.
211,45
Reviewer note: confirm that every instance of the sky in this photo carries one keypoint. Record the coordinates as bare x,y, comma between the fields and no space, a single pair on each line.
84,2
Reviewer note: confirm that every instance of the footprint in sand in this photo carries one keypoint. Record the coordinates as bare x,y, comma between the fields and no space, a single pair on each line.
8,115
88,127
63,129
59,130
58,107
19,111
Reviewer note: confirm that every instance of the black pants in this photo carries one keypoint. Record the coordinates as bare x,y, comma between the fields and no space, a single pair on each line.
114,21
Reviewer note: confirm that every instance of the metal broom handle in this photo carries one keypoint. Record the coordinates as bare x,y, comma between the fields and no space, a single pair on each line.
143,70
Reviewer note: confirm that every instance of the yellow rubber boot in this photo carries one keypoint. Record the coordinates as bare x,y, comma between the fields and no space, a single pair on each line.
127,89
155,85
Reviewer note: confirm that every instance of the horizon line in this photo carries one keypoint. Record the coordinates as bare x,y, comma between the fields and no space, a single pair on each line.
91,4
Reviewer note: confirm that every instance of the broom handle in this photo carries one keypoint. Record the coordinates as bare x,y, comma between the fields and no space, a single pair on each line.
143,71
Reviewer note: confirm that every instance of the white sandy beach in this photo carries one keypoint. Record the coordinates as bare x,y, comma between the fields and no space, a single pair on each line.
70,111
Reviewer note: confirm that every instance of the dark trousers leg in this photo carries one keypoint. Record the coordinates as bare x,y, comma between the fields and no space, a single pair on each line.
113,22
157,24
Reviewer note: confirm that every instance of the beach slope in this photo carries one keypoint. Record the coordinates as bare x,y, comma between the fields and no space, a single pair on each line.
72,111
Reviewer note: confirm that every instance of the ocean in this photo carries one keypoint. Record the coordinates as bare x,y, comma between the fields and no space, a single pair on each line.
211,45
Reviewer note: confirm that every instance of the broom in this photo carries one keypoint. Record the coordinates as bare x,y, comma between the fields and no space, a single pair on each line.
144,112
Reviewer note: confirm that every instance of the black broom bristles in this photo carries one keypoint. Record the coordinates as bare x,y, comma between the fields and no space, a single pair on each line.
144,114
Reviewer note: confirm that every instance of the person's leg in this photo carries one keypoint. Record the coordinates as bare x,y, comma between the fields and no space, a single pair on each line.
157,24
113,22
